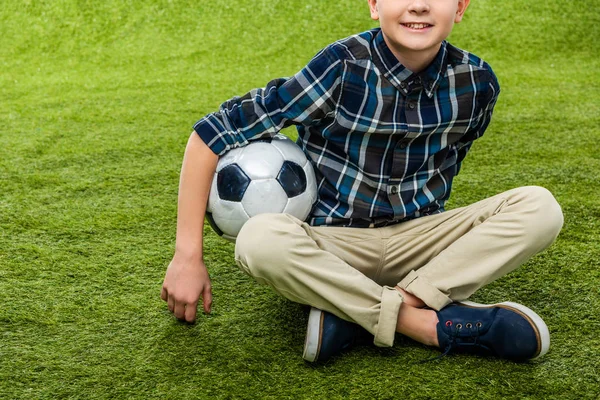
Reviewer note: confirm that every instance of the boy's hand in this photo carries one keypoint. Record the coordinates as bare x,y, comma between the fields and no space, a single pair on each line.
187,279
185,282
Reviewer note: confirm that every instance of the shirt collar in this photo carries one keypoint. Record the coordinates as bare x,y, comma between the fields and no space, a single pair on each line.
403,78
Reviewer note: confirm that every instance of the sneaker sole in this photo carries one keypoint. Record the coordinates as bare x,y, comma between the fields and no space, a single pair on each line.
312,344
540,327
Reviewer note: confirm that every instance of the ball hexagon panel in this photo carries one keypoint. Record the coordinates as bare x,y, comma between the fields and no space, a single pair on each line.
232,183
230,216
311,182
260,161
290,150
292,179
213,224
229,158
299,206
213,196
264,196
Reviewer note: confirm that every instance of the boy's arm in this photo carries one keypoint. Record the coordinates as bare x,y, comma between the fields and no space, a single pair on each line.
487,104
303,99
187,278
485,116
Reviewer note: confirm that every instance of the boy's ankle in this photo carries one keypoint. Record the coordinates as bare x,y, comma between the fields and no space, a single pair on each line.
432,335
418,324
411,299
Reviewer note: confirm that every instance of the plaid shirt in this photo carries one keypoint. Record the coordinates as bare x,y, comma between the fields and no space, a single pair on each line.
385,143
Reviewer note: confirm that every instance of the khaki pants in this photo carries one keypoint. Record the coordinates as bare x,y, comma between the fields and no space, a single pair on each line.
352,272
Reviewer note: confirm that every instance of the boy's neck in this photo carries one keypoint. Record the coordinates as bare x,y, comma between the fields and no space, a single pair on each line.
415,61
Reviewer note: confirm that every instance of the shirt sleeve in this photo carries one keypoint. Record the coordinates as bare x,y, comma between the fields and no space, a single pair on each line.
304,99
488,101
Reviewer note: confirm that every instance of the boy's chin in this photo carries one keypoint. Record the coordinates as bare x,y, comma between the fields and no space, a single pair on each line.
421,47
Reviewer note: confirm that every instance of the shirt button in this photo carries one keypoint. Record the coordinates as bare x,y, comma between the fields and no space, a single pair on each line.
394,190
403,85
403,144
411,105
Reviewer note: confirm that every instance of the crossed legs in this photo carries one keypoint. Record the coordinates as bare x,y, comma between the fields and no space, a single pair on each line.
380,278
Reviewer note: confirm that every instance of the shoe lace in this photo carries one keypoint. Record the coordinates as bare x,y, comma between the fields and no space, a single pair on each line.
456,340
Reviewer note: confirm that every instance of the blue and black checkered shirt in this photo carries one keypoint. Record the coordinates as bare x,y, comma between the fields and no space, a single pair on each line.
385,143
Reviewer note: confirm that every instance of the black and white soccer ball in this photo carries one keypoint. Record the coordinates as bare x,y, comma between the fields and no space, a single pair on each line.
266,176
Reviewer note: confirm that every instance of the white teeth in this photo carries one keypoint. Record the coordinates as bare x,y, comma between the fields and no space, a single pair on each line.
417,26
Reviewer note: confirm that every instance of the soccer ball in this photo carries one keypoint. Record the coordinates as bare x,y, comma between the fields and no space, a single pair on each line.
266,176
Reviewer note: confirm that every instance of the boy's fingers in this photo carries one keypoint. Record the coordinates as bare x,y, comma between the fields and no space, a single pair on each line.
179,311
163,294
207,299
190,312
171,303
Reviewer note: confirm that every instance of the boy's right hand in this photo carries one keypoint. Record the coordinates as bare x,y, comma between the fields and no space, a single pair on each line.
185,282
187,279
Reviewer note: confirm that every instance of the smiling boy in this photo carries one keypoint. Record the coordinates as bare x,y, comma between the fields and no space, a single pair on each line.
386,118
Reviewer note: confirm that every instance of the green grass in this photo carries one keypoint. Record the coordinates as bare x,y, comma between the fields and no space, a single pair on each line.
97,100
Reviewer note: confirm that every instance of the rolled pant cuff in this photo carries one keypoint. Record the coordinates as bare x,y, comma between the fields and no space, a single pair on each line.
391,300
418,286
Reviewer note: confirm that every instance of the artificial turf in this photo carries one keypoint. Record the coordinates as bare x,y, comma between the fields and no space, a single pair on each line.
97,100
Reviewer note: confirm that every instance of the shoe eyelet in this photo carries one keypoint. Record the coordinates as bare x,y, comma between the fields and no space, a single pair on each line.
458,326
479,324
469,325
448,323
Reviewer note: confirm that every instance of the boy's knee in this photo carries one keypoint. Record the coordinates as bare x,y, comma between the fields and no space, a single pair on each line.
262,241
545,212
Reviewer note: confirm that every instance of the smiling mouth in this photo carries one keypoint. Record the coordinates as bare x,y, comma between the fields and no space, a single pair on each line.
416,26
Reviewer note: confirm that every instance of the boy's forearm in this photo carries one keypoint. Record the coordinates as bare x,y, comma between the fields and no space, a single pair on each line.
199,164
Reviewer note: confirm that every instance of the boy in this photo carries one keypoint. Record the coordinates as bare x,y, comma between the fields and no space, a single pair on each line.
386,118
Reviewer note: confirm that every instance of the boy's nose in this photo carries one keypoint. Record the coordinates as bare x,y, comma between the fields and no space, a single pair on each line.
419,6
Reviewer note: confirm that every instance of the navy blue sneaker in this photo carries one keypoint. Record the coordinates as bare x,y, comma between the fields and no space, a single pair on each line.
328,335
506,330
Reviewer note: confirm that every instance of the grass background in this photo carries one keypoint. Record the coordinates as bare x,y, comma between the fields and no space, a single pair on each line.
97,100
